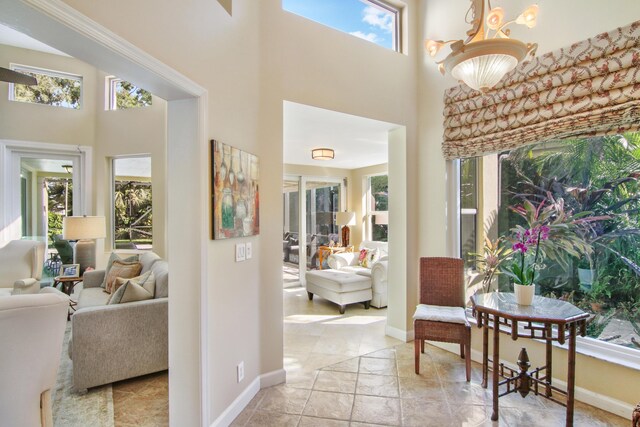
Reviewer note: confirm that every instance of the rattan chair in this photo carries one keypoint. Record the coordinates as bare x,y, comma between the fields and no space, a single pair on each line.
442,284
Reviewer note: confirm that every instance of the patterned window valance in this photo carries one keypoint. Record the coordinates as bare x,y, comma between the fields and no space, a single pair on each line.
590,88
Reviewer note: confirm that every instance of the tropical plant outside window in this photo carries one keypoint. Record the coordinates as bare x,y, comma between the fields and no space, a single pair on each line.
378,207
373,20
54,88
586,195
59,203
132,203
124,95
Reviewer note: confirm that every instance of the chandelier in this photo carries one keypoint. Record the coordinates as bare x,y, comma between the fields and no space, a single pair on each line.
488,53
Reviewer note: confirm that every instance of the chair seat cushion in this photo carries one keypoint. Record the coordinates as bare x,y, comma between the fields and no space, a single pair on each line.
436,313
92,297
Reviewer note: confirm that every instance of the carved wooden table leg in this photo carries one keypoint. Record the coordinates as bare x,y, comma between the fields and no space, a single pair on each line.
571,373
549,369
496,364
524,379
485,350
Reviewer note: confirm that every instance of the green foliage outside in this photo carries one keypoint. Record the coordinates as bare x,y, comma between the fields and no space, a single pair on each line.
56,91
597,180
133,212
130,96
59,203
380,194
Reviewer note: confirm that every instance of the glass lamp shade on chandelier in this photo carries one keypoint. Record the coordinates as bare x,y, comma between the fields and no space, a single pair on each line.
488,53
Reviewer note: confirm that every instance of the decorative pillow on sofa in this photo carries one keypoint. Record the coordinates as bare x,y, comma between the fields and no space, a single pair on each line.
114,257
368,257
126,270
146,280
130,291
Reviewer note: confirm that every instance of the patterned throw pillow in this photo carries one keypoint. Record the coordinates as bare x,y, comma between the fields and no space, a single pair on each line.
126,270
114,257
146,280
362,258
130,292
368,257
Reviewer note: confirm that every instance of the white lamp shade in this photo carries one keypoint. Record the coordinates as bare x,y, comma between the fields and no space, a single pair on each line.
382,218
83,227
346,218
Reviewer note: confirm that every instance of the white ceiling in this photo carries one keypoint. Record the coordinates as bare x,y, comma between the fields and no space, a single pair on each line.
11,37
357,141
45,165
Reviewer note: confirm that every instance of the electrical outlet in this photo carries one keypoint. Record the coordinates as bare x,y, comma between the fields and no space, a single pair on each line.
240,252
248,251
240,369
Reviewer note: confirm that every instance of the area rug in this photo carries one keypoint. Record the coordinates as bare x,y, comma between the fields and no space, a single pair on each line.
74,409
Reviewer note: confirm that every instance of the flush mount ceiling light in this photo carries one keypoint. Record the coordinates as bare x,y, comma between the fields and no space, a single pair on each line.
322,154
488,53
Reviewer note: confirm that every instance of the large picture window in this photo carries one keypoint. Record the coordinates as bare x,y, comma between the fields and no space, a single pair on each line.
373,20
54,88
132,203
576,203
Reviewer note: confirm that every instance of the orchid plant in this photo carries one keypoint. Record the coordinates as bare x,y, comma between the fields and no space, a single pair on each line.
550,233
526,254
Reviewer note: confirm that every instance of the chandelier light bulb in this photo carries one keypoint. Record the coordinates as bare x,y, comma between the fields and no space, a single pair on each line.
433,46
529,17
495,18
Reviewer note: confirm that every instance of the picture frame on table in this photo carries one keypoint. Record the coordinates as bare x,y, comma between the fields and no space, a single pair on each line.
70,270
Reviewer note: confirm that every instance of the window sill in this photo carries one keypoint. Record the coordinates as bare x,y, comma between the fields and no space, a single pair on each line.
591,347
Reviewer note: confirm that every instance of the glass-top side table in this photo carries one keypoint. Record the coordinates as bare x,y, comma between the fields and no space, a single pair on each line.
546,319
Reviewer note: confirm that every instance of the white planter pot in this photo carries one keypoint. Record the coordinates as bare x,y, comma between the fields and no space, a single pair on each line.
524,294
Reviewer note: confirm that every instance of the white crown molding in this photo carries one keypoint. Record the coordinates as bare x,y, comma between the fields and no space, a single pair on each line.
90,29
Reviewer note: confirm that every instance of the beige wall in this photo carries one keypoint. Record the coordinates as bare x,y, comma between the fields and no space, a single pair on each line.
559,25
43,123
131,132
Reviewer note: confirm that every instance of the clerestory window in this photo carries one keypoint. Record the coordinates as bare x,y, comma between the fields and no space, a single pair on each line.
373,20
54,88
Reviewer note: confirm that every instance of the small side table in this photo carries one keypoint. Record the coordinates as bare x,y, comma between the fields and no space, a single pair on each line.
322,250
68,283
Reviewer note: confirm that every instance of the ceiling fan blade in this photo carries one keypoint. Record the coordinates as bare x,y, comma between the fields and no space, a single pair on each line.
11,76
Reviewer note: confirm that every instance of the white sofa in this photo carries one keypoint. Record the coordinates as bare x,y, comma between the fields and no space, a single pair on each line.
348,262
347,282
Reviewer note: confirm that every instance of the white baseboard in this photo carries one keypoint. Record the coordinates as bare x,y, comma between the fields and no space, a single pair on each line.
399,334
600,401
265,380
273,378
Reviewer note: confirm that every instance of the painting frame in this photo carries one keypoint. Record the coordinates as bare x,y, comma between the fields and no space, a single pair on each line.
70,270
235,193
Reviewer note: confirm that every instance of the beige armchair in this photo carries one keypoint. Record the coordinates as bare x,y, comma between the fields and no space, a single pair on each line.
21,263
31,332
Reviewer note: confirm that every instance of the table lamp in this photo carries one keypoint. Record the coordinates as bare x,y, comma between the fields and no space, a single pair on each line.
84,229
345,219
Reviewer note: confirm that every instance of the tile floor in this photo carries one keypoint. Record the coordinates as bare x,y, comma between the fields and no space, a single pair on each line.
343,371
142,401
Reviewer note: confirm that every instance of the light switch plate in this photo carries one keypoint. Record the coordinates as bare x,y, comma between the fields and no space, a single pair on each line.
248,250
240,252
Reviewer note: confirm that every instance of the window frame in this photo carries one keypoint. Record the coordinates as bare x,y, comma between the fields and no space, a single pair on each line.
21,68
110,99
605,351
370,201
393,8
112,192
479,233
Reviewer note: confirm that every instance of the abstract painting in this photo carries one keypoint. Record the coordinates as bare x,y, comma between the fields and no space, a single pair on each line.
235,193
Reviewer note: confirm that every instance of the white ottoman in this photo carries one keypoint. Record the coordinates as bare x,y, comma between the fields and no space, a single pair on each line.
339,287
